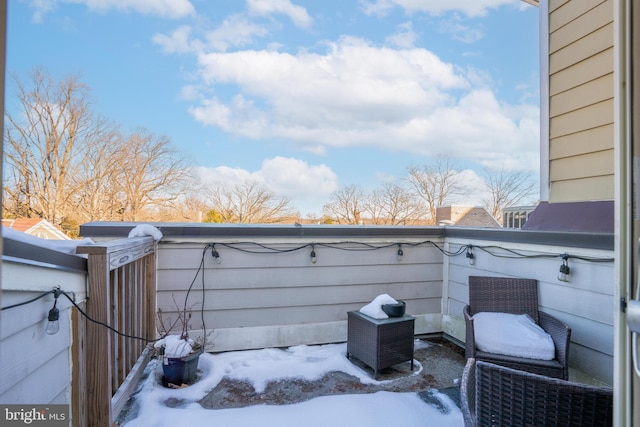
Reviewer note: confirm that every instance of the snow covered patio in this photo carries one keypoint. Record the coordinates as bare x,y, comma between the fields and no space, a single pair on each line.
305,385
259,288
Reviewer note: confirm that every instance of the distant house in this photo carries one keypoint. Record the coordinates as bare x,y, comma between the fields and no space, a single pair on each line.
465,216
516,216
36,227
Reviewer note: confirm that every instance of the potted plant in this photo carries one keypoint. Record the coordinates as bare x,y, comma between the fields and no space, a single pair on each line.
179,353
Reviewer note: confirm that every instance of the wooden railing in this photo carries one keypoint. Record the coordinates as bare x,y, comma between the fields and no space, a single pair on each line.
121,294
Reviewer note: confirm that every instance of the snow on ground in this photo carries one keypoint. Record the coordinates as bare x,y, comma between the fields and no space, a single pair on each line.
383,409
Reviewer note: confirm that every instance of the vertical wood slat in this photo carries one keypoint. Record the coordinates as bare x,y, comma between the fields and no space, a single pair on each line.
79,374
113,283
116,325
129,305
99,368
150,291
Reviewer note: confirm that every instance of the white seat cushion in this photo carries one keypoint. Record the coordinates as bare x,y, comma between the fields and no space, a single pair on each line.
512,335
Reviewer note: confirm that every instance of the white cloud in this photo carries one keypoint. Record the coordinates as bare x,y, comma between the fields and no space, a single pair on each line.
435,7
178,41
172,9
294,178
307,186
41,8
357,94
405,37
475,187
460,31
297,14
234,31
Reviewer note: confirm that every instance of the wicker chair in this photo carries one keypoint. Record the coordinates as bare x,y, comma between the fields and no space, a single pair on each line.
516,296
492,395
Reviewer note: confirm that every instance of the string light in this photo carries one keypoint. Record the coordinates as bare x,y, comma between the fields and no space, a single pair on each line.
215,254
313,256
400,253
565,271
470,256
53,319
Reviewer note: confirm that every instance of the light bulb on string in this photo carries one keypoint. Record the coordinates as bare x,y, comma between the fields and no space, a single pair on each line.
313,255
565,271
470,256
215,254
53,318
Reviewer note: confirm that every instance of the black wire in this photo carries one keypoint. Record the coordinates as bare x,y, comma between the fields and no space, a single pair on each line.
332,245
186,298
366,247
27,302
104,324
268,249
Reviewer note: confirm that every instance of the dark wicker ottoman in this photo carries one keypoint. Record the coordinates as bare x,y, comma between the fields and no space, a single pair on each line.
380,343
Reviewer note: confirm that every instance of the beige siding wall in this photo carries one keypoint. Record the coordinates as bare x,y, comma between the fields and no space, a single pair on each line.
581,100
282,299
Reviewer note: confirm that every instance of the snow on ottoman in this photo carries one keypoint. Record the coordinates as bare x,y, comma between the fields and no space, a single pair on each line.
512,335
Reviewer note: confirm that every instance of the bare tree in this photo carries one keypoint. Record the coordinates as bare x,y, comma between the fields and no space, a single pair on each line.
394,204
154,175
65,164
48,141
247,203
508,188
437,184
98,184
345,205
190,207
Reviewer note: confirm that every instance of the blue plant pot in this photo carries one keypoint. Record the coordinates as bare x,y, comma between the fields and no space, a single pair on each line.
181,370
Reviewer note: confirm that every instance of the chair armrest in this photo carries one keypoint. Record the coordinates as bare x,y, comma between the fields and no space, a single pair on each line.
506,396
561,334
470,336
468,393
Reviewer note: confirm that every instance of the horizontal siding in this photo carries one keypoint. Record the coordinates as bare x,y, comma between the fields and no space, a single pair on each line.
562,12
581,100
554,5
582,72
590,93
586,189
589,117
586,47
583,166
577,21
249,291
35,357
288,277
588,141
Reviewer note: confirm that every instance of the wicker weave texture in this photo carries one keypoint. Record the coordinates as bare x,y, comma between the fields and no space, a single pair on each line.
493,395
380,343
504,294
516,296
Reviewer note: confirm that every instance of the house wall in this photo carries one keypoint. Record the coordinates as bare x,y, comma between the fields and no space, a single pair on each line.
585,303
35,367
581,158
283,299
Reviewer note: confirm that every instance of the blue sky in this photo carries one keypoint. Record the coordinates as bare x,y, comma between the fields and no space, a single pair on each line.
303,96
